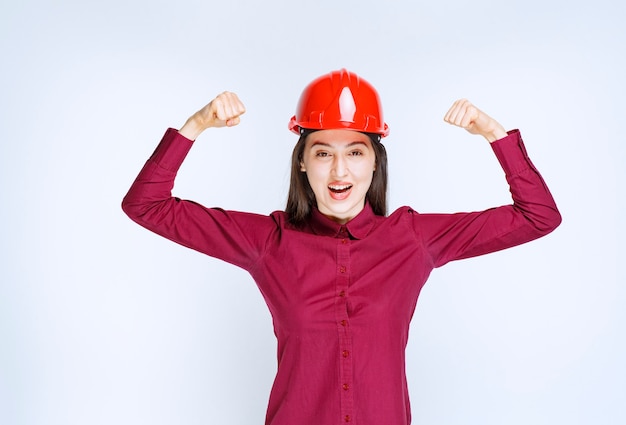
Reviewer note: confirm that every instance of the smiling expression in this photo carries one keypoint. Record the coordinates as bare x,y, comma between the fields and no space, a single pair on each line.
339,165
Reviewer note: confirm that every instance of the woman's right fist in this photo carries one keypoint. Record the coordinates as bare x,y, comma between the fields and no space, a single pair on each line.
223,111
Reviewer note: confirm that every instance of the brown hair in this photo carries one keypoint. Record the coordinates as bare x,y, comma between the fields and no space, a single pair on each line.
301,198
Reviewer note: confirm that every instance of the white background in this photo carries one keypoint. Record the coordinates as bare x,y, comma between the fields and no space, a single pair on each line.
102,322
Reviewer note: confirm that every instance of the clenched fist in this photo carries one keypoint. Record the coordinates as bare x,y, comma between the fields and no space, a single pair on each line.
464,114
223,111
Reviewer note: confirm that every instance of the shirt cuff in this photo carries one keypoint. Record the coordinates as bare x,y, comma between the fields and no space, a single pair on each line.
172,150
511,153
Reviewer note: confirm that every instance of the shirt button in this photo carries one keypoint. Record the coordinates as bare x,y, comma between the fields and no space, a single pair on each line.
342,294
345,387
345,353
342,269
347,418
343,323
344,241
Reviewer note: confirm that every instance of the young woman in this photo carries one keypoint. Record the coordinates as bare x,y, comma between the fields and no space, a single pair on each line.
341,278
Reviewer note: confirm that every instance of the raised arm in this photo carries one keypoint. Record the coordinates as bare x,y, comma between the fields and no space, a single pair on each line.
532,214
235,237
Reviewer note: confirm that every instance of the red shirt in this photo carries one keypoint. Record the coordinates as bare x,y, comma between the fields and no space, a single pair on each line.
341,296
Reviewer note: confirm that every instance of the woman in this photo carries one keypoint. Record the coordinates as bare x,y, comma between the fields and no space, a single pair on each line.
340,277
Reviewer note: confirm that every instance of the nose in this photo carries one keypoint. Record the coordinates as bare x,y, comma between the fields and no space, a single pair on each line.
340,166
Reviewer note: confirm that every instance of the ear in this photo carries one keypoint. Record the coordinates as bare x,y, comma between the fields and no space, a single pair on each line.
302,168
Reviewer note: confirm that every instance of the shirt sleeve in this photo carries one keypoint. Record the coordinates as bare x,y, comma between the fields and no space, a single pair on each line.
532,214
236,237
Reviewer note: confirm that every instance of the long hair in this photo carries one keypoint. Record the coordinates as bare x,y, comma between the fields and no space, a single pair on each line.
301,199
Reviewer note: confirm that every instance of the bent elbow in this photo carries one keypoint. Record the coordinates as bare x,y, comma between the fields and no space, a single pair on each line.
549,222
557,219
125,207
130,208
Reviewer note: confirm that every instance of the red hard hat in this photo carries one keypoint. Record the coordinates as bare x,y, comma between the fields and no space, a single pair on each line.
339,100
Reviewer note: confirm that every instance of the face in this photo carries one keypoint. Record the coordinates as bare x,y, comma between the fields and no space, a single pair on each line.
339,165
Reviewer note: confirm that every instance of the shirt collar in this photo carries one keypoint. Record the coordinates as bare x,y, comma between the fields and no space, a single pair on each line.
358,228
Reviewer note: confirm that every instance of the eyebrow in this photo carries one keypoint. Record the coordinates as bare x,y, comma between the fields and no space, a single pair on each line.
349,145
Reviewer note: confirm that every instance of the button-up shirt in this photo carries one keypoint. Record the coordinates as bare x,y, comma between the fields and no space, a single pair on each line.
341,296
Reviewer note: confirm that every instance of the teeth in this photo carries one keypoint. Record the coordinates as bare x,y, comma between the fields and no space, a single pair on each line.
339,188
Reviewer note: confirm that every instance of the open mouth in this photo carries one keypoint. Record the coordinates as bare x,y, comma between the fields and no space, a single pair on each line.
340,188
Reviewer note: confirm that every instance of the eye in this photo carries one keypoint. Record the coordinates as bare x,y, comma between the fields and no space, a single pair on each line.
322,154
356,153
